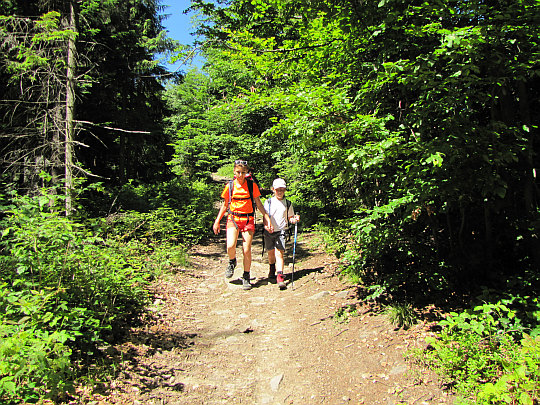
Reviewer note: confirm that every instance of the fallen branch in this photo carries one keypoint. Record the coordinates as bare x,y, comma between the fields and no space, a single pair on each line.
321,319
343,330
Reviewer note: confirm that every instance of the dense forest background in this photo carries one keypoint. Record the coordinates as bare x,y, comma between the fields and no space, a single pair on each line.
407,132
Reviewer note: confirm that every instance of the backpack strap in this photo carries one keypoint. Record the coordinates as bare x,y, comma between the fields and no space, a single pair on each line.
231,185
250,189
287,205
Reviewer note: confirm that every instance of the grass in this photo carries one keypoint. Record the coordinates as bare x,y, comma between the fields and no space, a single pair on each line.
225,171
401,315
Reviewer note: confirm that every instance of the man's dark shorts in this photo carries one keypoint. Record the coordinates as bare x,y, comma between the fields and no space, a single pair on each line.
274,240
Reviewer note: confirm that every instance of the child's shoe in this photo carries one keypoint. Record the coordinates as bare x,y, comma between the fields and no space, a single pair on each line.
272,274
281,281
246,285
229,271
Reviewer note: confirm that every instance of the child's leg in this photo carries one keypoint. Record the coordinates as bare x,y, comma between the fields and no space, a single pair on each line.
269,245
246,247
279,260
232,237
271,256
280,264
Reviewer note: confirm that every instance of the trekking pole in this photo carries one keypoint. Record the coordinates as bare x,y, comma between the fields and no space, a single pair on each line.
294,254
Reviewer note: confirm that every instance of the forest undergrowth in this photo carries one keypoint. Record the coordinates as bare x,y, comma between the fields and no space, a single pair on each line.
487,341
70,287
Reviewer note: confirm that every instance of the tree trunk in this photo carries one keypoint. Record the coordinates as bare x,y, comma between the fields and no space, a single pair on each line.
70,107
530,192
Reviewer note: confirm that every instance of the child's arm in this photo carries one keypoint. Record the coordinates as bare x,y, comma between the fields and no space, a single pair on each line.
220,215
266,218
293,219
265,222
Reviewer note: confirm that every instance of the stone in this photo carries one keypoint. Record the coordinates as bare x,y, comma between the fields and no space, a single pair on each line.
342,294
274,382
400,368
319,295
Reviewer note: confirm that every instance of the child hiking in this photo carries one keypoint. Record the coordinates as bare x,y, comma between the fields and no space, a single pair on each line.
281,213
240,197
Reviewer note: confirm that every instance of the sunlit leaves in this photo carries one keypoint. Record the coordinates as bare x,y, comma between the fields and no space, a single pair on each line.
424,101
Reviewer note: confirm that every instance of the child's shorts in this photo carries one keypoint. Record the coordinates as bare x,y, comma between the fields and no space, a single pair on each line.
245,224
275,240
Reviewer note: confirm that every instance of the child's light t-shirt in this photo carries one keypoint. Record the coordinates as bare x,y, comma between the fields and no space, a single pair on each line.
277,210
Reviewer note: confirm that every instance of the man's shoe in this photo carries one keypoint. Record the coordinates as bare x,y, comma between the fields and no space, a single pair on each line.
229,271
281,281
246,285
271,274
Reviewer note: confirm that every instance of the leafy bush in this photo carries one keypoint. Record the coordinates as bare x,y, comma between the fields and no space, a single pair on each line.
177,211
479,353
34,361
65,291
393,258
520,383
50,251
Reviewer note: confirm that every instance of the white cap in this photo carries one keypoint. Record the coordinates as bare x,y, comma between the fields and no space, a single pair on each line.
279,183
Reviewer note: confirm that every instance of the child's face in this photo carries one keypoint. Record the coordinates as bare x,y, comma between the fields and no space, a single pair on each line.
280,192
240,172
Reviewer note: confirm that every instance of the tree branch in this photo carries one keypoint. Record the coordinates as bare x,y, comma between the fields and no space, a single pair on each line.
111,128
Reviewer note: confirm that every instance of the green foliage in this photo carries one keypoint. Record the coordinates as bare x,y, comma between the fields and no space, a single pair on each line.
180,211
330,237
343,314
34,352
401,315
65,291
50,251
226,171
520,382
29,56
215,122
411,120
487,355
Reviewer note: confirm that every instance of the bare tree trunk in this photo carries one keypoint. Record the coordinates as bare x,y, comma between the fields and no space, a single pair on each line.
489,247
70,107
530,192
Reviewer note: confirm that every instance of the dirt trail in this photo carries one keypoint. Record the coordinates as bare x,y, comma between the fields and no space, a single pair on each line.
213,343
